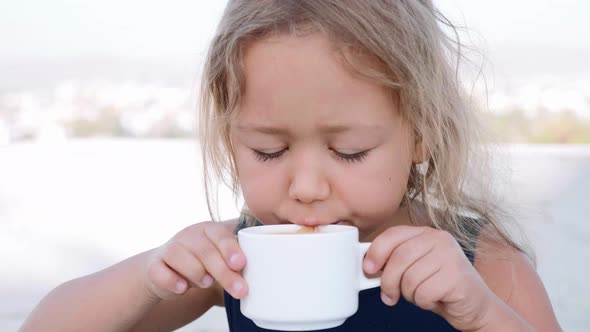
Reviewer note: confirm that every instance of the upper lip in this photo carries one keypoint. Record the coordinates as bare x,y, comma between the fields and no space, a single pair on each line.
313,221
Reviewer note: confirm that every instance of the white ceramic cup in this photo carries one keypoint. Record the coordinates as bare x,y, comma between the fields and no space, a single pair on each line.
300,282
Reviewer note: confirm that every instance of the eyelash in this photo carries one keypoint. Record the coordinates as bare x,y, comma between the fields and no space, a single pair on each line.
353,157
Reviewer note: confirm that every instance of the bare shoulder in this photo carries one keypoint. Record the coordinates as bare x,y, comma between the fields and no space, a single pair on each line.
511,275
174,313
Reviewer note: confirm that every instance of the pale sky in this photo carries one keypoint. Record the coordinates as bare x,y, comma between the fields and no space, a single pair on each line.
557,23
177,28
524,36
148,28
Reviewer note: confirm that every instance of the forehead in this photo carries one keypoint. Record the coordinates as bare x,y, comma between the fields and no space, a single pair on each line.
305,74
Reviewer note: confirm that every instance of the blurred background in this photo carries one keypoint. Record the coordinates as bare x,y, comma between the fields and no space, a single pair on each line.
99,158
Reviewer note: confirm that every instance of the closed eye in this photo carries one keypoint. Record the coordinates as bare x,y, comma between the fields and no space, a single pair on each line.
352,157
348,157
263,156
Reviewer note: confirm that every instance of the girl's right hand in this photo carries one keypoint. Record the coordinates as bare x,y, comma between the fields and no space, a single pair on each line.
198,256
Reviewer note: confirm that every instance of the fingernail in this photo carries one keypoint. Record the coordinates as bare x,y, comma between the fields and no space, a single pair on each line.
386,299
180,286
369,266
206,281
237,286
234,259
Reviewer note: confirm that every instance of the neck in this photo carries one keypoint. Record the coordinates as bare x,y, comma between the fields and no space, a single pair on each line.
400,218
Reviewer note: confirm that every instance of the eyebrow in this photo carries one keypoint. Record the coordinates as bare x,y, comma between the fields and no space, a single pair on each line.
261,129
328,129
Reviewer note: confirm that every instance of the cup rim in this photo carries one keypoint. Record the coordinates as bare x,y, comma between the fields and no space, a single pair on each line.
267,230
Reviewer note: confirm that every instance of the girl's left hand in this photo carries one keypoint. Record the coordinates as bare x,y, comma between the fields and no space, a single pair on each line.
428,268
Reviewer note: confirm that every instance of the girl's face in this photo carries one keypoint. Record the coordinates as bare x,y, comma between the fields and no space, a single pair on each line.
315,145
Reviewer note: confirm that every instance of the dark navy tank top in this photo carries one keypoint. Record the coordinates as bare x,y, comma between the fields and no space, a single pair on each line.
372,315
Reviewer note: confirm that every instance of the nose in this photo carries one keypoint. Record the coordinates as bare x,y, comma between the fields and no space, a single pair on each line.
308,183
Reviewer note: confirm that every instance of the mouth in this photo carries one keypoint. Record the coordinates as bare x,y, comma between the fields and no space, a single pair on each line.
313,222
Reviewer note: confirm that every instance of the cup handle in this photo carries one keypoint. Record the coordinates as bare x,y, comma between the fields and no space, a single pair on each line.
365,282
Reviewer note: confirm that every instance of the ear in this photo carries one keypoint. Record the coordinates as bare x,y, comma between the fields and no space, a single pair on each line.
421,150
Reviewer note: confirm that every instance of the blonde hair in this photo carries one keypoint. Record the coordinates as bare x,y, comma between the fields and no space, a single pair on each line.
417,60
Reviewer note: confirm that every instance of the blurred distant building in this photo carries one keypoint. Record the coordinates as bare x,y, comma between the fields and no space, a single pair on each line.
542,110
97,108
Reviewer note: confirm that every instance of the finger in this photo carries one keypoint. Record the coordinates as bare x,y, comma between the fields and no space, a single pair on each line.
216,266
228,246
431,291
166,283
385,244
181,260
404,256
418,273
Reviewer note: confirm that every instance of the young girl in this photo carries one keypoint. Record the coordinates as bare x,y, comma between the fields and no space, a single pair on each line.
321,112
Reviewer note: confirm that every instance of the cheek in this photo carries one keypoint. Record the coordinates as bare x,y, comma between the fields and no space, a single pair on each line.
379,186
260,183
378,193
